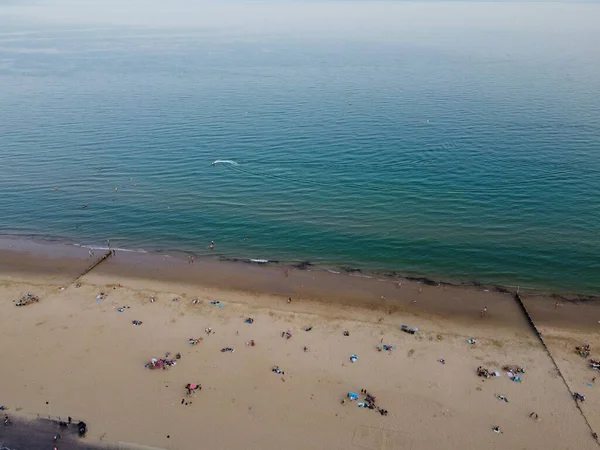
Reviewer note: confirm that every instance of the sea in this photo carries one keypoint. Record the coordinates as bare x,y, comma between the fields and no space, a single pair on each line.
453,140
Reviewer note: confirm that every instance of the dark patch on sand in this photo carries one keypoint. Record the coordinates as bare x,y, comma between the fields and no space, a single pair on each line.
38,434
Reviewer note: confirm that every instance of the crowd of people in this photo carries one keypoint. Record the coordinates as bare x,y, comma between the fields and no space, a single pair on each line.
369,401
28,299
162,363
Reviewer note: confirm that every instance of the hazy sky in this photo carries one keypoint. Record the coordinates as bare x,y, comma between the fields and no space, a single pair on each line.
378,18
559,31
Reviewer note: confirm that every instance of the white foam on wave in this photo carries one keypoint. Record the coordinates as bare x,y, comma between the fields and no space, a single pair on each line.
260,261
224,161
332,271
117,249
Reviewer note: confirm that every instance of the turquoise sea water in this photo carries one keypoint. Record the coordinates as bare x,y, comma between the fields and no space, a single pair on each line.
390,136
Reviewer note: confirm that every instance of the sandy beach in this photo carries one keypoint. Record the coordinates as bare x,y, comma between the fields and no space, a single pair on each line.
72,354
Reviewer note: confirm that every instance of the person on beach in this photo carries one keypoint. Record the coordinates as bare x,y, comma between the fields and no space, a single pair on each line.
191,387
483,311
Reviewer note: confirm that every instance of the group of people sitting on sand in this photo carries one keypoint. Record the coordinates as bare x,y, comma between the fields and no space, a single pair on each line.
28,299
513,368
286,334
583,351
369,402
162,363
191,387
483,372
412,330
387,348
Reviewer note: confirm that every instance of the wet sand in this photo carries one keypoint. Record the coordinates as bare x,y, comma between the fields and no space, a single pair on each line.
87,359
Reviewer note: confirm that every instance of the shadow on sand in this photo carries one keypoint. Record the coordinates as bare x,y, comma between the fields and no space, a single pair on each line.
39,434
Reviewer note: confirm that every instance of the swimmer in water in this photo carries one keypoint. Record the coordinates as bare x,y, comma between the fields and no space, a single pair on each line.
212,245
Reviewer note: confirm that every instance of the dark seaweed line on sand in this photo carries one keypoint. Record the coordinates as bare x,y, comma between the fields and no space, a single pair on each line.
397,276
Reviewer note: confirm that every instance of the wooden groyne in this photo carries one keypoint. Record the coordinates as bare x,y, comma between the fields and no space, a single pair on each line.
529,319
519,301
96,263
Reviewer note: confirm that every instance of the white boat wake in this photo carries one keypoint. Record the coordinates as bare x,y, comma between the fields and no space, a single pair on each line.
224,161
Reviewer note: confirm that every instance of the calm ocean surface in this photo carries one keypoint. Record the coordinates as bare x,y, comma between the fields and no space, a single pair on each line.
452,140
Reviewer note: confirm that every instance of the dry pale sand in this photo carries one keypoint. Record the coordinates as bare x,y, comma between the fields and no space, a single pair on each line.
86,360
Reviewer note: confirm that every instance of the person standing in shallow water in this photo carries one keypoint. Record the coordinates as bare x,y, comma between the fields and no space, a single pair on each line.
212,245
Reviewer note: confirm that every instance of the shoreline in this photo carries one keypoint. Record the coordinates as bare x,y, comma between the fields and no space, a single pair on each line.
58,247
64,263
